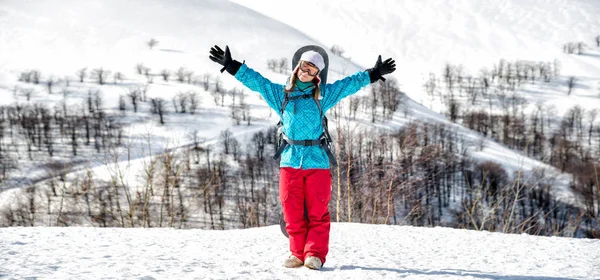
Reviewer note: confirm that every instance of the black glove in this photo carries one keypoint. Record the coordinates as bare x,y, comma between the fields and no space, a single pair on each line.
224,58
381,68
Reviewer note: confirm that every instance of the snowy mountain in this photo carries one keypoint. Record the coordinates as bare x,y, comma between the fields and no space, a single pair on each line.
425,35
74,152
113,36
357,251
101,145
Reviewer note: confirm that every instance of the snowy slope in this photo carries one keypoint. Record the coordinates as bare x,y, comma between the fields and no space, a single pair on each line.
60,37
112,35
357,252
424,35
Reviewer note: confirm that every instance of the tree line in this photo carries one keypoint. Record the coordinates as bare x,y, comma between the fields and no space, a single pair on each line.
421,174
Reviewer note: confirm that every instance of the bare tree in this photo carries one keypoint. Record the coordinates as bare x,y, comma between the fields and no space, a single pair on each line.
337,50
235,149
233,93
431,87
139,68
89,101
100,75
592,118
193,136
73,125
192,96
557,67
353,106
25,77
158,108
98,100
272,64
283,65
35,76
575,119
143,92
225,138
82,73
244,107
67,81
149,76
181,74
118,77
206,80
175,101
28,92
222,94
134,95
472,89
259,141
218,91
236,114
49,84
189,76
493,176
152,43
454,109
183,102
374,100
449,77
122,105
571,85
570,47
165,73
580,47
389,96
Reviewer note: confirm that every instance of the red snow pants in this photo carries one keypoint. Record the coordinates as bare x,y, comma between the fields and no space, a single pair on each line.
310,187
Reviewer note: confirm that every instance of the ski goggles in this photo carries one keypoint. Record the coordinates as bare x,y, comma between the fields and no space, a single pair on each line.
309,68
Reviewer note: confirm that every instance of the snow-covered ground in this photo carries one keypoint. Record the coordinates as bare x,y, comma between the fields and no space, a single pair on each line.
357,251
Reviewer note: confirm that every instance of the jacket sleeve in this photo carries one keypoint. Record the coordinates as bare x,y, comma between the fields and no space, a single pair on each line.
340,89
271,92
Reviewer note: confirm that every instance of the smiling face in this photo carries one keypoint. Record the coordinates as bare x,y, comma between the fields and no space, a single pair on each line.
307,71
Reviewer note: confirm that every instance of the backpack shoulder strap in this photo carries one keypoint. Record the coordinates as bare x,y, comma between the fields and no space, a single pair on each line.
318,105
286,99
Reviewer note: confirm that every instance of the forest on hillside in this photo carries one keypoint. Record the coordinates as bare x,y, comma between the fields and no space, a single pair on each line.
422,173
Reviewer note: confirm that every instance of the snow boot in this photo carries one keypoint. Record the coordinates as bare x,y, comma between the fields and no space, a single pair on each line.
313,263
292,261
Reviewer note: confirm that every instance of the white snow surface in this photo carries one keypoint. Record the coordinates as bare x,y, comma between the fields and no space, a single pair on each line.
357,251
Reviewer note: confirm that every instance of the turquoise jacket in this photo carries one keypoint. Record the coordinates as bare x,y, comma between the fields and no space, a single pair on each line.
305,123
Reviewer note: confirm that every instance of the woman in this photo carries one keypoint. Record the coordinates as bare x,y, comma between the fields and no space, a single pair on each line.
305,178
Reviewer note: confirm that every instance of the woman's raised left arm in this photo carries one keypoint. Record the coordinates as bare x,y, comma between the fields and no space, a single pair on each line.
340,89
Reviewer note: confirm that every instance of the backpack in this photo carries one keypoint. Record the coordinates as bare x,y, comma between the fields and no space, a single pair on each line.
324,140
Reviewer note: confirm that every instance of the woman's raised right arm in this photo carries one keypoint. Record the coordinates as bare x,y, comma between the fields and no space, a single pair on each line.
271,92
